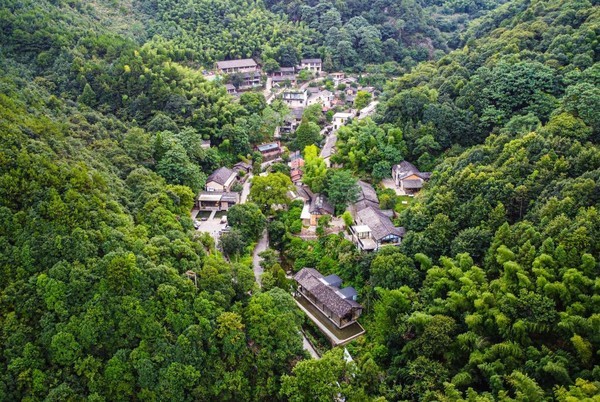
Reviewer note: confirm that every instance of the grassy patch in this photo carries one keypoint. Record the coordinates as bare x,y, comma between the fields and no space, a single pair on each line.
403,202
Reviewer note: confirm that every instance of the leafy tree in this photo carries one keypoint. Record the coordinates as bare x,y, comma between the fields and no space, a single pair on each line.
270,66
253,102
362,100
88,96
176,167
248,219
313,113
341,189
270,190
232,243
307,133
236,79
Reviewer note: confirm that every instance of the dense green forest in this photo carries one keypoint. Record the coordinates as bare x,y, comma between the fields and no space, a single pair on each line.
494,294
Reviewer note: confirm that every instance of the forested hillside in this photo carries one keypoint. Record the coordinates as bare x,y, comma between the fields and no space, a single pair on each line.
345,34
511,309
100,161
494,293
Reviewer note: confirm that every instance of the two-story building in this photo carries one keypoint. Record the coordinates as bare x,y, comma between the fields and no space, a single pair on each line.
324,97
312,65
375,229
340,118
221,179
251,79
217,194
296,98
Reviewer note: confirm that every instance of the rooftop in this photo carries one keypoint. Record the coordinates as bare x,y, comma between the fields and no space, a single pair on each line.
215,196
271,146
284,78
311,280
236,63
319,205
405,169
380,225
222,175
306,61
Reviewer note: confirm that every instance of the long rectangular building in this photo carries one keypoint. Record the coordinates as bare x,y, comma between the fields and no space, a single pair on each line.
236,66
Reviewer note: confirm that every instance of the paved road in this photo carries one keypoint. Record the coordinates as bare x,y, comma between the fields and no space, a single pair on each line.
246,189
261,246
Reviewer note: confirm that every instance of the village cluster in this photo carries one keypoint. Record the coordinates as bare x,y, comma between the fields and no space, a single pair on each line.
332,308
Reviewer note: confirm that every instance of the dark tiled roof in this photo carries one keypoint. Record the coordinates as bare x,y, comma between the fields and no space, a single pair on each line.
297,113
311,280
221,175
230,197
236,63
367,193
304,192
320,206
251,74
413,183
349,292
380,225
405,169
306,61
333,280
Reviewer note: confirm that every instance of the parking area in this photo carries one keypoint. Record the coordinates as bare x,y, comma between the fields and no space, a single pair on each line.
211,222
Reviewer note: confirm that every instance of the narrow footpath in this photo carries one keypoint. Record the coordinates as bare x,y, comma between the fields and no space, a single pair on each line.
309,348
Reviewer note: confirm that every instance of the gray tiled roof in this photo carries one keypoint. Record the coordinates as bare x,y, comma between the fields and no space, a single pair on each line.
304,192
284,78
306,61
236,63
221,175
367,192
413,183
310,280
405,169
380,225
333,280
320,206
349,292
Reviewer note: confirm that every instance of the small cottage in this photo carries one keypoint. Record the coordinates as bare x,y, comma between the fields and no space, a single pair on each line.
408,178
221,179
